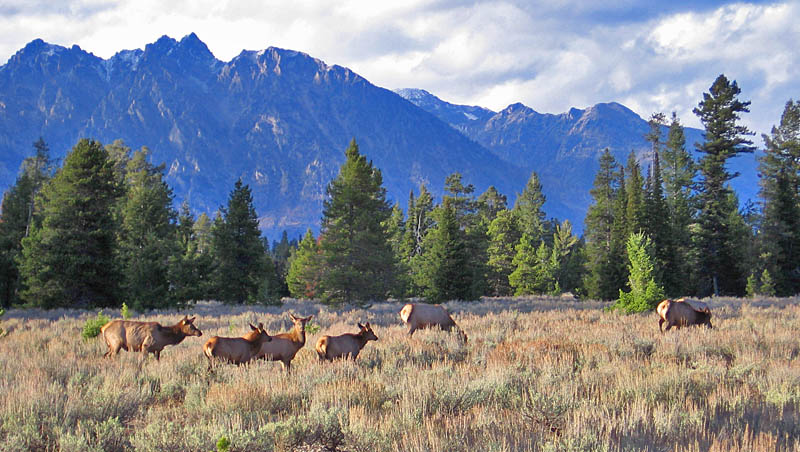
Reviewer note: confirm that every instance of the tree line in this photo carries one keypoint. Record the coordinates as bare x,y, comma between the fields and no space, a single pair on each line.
102,230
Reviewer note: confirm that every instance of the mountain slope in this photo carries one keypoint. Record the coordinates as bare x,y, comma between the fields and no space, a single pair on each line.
278,119
564,149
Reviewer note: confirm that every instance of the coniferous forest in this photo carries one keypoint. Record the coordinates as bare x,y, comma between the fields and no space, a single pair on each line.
100,229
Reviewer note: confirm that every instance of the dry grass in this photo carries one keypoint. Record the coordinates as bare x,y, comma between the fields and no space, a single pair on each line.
536,374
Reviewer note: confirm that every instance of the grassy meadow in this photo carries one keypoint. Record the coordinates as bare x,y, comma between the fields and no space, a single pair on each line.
537,374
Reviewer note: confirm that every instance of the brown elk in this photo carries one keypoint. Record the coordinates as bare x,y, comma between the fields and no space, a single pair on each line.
347,345
284,346
236,350
418,316
146,337
680,313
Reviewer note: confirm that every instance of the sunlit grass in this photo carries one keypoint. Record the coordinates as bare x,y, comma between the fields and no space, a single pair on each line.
536,374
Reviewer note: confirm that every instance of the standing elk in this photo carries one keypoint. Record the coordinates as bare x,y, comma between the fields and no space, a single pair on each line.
346,346
418,316
285,346
680,313
146,337
236,350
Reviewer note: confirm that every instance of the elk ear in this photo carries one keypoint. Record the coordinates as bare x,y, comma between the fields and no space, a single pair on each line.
260,326
368,327
291,316
191,320
253,327
308,319
360,325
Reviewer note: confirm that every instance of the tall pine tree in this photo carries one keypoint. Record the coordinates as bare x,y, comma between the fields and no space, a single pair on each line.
358,262
604,232
69,260
528,208
724,138
243,269
779,170
147,235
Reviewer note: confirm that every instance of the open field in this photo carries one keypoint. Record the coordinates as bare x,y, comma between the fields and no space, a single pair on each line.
536,374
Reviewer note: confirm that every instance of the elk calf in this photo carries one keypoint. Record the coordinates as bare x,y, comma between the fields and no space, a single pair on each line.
236,350
284,346
146,337
347,345
418,316
680,313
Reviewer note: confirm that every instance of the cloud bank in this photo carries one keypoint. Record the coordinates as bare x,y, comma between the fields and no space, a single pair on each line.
549,55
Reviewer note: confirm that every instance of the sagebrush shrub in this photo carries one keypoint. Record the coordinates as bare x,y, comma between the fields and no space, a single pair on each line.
92,326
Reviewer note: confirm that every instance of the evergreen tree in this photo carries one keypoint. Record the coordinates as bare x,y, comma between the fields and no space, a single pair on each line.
445,270
473,226
565,260
281,251
147,235
528,208
358,263
303,277
418,223
190,269
634,195
69,260
604,229
243,268
532,271
490,203
18,215
724,138
645,292
678,171
396,229
503,235
779,171
656,215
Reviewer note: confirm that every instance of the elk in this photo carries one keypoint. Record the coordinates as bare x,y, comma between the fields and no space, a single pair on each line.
284,346
418,316
345,346
680,313
146,337
236,350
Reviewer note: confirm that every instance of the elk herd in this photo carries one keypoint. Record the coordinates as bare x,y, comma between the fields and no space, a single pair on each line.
151,337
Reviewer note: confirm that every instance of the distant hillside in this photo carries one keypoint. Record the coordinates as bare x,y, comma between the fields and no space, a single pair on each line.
278,119
563,149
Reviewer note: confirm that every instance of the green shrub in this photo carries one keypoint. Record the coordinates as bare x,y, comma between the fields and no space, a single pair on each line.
645,292
125,311
92,326
223,444
312,328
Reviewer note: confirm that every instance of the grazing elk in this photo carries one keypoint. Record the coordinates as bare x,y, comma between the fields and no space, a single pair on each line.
146,337
284,346
236,350
680,313
347,345
418,316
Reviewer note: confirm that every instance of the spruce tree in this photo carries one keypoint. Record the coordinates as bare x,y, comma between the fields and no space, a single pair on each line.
147,235
358,262
724,138
69,260
656,214
532,270
399,284
243,269
303,277
490,203
634,195
565,260
645,292
445,270
281,251
474,227
528,208
418,223
604,232
678,170
779,171
503,235
190,269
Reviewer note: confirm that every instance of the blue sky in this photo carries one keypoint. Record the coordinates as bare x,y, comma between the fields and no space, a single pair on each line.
550,55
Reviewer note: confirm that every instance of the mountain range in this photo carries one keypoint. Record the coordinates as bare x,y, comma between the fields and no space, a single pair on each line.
280,120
